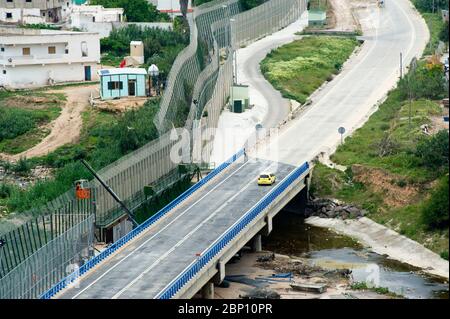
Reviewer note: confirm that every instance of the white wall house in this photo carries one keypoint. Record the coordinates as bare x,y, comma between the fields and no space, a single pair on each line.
49,10
33,58
171,7
104,20
22,16
95,18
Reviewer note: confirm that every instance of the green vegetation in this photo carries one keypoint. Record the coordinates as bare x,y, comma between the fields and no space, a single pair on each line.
161,47
299,68
40,26
435,209
104,138
361,285
392,166
136,10
431,12
22,121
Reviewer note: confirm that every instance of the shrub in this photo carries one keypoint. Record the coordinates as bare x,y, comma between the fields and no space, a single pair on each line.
136,10
426,82
427,5
433,152
15,122
435,211
5,190
443,35
22,166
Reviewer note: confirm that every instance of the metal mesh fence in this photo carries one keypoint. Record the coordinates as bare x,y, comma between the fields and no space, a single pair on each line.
50,263
199,86
29,237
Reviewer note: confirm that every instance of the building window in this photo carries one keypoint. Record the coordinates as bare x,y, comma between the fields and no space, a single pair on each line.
4,71
28,0
8,15
2,49
84,48
9,0
115,85
26,51
51,50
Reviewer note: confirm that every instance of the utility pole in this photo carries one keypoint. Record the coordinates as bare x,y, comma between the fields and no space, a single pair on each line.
401,65
411,73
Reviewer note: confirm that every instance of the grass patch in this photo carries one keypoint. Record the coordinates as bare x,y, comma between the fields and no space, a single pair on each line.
412,161
23,118
361,285
299,68
105,137
435,25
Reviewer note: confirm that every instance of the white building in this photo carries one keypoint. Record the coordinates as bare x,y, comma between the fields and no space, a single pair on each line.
95,18
22,16
33,58
171,7
25,11
86,14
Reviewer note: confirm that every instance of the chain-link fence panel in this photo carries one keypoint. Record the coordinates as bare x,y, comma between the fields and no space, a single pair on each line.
49,264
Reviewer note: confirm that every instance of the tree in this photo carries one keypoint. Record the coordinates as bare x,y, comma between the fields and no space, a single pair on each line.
443,36
435,210
136,10
427,81
431,5
434,151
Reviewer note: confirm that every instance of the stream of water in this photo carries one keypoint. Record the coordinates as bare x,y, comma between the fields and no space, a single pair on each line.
291,236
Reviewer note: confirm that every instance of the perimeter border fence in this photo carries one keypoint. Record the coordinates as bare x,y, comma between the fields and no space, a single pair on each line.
199,86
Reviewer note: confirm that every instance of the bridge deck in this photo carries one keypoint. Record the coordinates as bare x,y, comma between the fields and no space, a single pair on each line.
147,264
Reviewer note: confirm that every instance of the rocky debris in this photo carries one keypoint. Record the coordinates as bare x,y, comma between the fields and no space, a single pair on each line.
295,266
328,208
25,180
265,258
339,273
261,293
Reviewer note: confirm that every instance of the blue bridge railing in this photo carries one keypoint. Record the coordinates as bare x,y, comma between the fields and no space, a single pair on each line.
192,270
125,239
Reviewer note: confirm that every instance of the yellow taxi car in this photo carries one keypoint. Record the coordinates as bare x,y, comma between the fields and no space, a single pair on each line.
266,179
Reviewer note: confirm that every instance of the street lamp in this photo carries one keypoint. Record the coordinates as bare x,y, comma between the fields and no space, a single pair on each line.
153,72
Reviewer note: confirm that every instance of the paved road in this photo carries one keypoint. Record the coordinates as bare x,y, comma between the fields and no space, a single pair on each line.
146,265
351,96
151,261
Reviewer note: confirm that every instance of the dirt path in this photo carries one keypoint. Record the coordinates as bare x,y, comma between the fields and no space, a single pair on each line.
66,128
344,20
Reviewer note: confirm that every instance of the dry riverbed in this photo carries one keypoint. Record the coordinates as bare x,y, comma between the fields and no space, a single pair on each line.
319,256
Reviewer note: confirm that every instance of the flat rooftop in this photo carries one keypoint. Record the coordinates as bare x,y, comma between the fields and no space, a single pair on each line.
14,32
118,71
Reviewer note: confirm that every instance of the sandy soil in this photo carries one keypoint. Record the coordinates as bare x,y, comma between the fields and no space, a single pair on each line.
385,241
381,181
120,105
343,16
66,128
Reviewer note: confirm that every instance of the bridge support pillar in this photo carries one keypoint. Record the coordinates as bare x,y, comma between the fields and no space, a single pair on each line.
208,291
268,228
220,276
256,243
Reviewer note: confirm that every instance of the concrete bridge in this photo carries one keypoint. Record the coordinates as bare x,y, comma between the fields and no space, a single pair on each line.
186,249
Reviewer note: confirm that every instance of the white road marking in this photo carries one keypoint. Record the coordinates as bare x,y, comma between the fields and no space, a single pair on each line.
183,239
144,243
